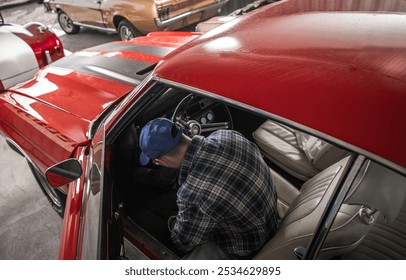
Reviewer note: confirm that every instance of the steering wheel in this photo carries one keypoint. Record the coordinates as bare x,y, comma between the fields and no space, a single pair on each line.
192,124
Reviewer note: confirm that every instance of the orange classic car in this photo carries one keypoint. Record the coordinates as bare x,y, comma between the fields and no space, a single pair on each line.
131,18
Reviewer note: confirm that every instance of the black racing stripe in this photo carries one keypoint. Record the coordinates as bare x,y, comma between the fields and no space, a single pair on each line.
153,50
113,68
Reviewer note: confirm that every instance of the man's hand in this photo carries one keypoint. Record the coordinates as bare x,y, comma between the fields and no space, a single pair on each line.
171,223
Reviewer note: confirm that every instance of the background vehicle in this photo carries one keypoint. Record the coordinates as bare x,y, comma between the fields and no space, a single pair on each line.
327,112
131,18
213,22
34,44
5,3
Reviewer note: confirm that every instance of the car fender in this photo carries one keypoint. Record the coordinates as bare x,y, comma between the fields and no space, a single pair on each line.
140,15
13,71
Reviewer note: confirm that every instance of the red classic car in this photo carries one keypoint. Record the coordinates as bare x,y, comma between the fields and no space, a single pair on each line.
318,85
25,49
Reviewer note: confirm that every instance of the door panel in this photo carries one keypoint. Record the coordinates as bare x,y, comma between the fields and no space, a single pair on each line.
88,12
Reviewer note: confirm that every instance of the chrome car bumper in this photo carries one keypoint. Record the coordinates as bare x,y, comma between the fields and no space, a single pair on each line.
165,23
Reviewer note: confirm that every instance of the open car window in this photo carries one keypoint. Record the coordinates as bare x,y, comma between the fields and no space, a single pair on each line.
310,174
297,178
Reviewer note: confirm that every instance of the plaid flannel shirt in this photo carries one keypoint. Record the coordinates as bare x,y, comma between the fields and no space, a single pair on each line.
226,195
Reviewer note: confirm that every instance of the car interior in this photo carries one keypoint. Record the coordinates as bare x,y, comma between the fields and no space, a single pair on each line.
307,172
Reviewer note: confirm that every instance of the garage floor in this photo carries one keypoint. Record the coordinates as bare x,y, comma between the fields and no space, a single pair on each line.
29,227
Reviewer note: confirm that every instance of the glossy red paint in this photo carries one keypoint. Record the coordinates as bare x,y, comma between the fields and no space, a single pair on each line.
34,44
340,73
297,60
42,41
126,55
34,135
68,248
167,38
60,103
161,39
62,126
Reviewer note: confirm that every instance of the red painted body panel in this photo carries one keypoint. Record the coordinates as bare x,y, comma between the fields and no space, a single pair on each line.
34,44
49,116
348,83
72,218
41,42
41,39
38,136
288,59
167,38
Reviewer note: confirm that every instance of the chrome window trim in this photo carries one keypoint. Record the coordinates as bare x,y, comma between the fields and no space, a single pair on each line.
162,24
95,27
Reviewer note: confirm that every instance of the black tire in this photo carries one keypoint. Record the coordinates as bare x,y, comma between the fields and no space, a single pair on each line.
66,23
127,31
55,196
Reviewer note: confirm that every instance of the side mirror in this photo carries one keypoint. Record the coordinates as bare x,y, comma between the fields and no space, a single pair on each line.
64,172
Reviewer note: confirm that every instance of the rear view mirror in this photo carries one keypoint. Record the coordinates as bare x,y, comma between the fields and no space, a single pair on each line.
64,172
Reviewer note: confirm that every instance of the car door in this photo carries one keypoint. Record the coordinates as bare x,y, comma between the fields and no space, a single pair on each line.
81,235
99,236
91,217
88,12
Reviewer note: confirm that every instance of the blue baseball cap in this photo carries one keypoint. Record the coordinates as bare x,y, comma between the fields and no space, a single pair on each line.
157,138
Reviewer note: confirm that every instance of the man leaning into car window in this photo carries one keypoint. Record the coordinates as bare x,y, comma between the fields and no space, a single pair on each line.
226,199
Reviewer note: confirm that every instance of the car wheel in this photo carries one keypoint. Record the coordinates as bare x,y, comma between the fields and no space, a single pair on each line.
127,31
55,197
66,23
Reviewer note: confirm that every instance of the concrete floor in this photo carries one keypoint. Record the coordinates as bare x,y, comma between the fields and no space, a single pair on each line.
29,227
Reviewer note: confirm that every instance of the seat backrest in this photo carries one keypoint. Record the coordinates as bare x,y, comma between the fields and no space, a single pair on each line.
385,241
299,223
300,154
127,146
319,153
286,192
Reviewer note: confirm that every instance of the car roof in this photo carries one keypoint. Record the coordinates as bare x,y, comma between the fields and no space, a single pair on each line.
319,65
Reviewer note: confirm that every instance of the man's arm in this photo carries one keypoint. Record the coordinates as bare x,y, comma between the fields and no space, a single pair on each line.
192,226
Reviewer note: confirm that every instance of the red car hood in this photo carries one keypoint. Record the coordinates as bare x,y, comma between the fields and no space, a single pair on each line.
64,91
87,82
51,114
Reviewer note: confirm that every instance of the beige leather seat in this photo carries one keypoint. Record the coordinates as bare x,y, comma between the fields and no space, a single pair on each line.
299,154
385,191
385,241
301,211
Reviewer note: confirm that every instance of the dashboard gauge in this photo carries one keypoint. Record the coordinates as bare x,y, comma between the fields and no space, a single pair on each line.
203,120
210,116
